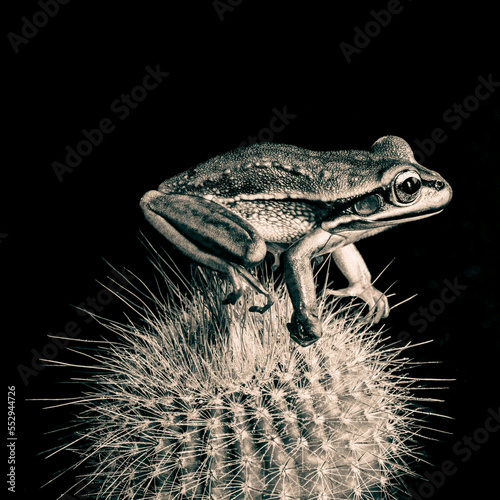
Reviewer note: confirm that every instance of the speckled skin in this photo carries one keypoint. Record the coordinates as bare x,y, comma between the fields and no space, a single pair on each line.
223,212
270,171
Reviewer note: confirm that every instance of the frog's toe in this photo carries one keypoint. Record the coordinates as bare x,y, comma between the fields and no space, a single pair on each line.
376,301
343,292
379,309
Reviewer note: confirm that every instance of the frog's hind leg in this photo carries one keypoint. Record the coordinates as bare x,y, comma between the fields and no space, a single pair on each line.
212,236
234,275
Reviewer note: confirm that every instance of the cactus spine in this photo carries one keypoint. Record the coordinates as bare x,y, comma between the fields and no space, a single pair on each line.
198,400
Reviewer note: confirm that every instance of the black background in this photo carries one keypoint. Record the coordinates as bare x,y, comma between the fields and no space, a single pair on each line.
225,78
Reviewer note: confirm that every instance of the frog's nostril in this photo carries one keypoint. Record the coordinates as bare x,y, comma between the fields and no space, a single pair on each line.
438,185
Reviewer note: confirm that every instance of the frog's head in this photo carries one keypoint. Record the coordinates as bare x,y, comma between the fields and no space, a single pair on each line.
402,191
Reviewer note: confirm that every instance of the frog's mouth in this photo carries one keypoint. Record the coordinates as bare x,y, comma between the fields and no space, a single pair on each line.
354,222
400,219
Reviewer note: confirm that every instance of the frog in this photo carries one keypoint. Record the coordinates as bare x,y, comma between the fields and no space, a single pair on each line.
229,212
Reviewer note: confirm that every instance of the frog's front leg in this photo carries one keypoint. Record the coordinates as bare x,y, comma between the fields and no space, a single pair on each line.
211,235
305,326
353,267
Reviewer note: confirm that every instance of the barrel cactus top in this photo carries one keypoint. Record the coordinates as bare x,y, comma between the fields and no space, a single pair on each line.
203,401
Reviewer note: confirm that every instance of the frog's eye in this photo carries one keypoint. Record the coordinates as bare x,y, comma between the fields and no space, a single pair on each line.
368,205
407,186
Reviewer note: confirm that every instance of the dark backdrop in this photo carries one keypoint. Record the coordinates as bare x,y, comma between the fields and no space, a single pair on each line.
337,78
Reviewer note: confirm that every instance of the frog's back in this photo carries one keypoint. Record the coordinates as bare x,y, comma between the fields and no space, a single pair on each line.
279,171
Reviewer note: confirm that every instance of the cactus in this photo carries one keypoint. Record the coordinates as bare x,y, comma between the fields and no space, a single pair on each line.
199,400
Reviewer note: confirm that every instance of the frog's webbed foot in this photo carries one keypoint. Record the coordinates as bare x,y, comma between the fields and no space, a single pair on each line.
377,301
304,330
